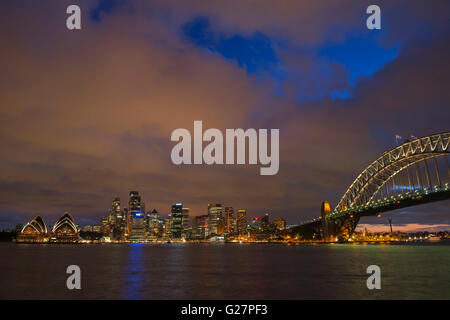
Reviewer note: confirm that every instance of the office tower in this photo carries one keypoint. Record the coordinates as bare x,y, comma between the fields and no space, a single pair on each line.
136,217
154,222
229,223
242,222
161,225
280,224
255,224
200,228
105,226
125,216
221,225
117,220
115,215
184,220
168,226
215,213
265,223
176,220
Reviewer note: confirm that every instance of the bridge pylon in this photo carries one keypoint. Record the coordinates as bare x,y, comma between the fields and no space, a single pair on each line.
325,210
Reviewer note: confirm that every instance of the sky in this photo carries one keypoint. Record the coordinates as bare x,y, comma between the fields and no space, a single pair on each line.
87,115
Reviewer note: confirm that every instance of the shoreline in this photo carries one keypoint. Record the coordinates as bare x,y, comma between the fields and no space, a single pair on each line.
366,242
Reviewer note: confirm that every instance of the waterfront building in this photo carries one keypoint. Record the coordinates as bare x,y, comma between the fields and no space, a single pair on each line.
106,226
255,224
154,222
168,226
229,220
265,223
125,222
116,213
136,217
215,213
34,231
117,221
280,224
184,220
200,228
221,225
241,222
65,229
176,218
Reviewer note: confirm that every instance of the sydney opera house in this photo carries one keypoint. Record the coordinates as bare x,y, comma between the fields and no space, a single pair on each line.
36,230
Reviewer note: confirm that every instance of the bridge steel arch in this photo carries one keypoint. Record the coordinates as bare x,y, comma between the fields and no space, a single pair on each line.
391,162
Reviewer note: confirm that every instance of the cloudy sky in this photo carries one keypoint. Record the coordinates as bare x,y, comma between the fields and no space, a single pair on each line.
87,115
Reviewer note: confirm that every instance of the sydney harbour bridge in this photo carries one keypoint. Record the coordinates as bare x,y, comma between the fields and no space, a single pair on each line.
413,173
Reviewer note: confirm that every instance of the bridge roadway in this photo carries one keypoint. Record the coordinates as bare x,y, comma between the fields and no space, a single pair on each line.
314,228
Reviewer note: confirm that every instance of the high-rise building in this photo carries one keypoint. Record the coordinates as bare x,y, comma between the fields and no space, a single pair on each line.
215,213
116,220
280,223
265,223
136,217
176,220
221,225
200,227
241,222
115,213
154,222
106,226
255,224
184,220
229,223
168,226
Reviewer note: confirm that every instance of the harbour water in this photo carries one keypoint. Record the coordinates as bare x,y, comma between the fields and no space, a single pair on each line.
225,271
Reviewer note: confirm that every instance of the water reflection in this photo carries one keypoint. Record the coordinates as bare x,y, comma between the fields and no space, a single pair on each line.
135,272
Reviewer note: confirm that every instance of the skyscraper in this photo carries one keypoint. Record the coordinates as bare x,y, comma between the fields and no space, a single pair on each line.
242,222
136,217
185,220
229,223
200,228
265,223
255,224
117,220
115,213
176,220
215,214
154,222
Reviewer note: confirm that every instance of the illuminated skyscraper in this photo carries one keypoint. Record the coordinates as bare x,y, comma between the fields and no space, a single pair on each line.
176,220
168,226
136,217
115,215
154,222
229,223
215,214
185,220
200,228
242,222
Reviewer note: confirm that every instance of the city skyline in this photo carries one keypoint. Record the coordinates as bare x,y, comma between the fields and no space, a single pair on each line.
88,114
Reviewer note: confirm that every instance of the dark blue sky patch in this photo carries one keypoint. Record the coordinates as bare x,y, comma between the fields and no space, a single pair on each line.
362,56
104,6
254,52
